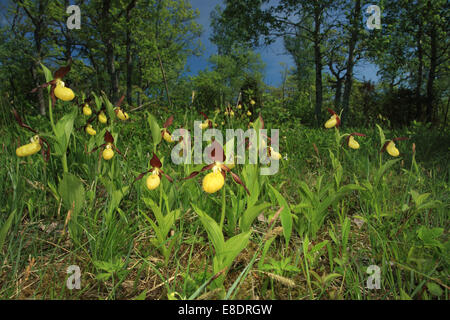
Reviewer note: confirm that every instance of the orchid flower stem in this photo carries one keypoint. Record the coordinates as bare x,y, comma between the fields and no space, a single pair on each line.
222,217
52,123
160,194
64,163
50,113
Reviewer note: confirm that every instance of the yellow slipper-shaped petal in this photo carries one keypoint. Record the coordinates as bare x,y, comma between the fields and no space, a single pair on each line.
274,155
352,143
102,117
63,93
87,111
91,131
122,115
331,122
108,153
167,137
213,182
30,148
153,181
392,150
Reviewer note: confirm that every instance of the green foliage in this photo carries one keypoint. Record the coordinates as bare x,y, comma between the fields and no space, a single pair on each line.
225,251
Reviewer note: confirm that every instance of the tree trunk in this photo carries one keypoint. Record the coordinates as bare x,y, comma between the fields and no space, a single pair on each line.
350,62
431,74
38,42
318,64
37,82
338,93
111,69
419,73
128,56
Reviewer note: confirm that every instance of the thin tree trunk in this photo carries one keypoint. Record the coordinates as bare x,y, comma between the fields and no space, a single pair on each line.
165,78
350,62
419,73
38,42
128,53
111,69
338,94
431,74
318,64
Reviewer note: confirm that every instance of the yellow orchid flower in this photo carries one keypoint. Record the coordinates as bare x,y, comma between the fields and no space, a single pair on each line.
273,154
58,88
154,179
334,121
390,147
29,149
35,144
108,152
351,142
121,114
392,150
215,180
87,111
91,131
108,147
62,92
165,133
207,123
102,117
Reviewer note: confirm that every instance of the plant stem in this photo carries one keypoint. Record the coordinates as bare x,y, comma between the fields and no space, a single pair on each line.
222,217
64,163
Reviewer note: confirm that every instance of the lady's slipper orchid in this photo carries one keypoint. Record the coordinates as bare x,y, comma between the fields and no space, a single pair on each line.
35,144
390,147
252,102
62,92
229,111
249,113
87,111
154,180
29,149
108,147
120,113
334,121
58,88
207,123
91,131
215,180
351,142
273,154
102,117
164,132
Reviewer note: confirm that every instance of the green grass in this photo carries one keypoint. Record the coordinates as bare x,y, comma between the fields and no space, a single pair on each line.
349,208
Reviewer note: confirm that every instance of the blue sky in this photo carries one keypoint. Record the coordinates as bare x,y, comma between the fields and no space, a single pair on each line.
271,55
